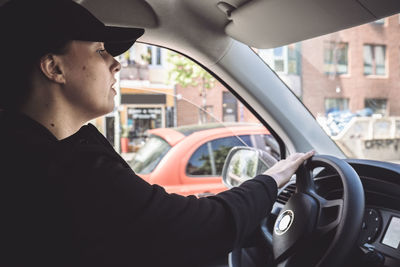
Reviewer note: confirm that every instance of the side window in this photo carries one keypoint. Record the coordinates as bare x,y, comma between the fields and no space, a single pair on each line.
165,98
209,158
199,163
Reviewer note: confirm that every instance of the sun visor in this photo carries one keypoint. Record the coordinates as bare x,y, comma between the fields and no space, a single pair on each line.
381,8
274,23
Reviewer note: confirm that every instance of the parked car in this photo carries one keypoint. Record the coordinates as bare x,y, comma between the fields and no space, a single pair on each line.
188,160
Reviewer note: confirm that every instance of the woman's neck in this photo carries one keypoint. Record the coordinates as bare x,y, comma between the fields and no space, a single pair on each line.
58,118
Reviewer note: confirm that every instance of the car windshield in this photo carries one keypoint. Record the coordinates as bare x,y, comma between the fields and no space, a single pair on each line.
149,155
349,81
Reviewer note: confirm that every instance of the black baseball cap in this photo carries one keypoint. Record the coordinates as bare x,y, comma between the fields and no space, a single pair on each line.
39,24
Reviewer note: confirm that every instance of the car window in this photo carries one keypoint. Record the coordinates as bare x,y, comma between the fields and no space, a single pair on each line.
349,81
159,88
209,158
163,99
149,155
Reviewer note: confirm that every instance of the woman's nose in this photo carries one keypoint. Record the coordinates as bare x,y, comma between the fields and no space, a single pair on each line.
116,66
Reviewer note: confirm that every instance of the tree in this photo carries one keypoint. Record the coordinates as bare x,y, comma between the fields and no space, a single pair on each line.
185,73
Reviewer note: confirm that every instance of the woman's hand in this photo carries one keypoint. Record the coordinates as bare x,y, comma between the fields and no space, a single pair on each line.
284,169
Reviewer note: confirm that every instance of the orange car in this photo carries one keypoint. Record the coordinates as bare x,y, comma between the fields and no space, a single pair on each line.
188,160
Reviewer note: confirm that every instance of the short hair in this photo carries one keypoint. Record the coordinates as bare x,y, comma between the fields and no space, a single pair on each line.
16,72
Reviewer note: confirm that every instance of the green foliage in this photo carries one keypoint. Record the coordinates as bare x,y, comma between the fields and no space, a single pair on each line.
186,73
219,159
220,156
251,168
236,168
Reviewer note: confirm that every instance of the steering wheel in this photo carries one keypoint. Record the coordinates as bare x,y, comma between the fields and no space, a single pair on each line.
308,218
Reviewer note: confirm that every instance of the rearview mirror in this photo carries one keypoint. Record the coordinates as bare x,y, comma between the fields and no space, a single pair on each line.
244,163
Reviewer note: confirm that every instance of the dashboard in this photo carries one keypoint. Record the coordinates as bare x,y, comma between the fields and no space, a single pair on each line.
379,238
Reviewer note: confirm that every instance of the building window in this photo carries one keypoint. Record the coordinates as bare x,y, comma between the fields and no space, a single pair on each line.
155,56
284,59
293,59
143,55
374,59
377,105
335,58
279,60
128,58
229,107
336,104
158,56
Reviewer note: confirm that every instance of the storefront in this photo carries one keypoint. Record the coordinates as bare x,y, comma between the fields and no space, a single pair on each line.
139,119
143,109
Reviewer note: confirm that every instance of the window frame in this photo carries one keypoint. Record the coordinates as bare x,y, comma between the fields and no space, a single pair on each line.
333,47
346,102
209,148
154,51
269,56
385,100
373,58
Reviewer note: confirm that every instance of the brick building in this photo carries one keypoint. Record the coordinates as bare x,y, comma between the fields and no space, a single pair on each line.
354,69
351,70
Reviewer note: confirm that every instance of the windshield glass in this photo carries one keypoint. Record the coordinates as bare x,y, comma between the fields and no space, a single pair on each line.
349,80
149,155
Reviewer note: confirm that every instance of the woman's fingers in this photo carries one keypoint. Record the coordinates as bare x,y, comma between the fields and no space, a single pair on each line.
284,169
303,157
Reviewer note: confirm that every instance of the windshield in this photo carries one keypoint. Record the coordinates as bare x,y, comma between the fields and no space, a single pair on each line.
349,80
149,155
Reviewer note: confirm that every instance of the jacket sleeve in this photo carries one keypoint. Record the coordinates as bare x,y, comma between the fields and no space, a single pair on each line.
123,219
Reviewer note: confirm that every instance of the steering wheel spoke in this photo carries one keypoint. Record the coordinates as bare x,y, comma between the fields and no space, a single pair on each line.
330,215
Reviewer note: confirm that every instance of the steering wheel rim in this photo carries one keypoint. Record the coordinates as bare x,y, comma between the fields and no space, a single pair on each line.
305,216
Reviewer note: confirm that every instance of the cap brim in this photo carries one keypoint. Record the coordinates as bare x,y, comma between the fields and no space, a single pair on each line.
117,40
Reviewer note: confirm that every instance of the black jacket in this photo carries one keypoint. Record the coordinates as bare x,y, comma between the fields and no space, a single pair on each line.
76,202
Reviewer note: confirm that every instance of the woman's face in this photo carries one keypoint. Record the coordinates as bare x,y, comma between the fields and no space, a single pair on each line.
89,74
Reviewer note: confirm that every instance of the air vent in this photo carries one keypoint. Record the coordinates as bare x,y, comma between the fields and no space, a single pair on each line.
286,193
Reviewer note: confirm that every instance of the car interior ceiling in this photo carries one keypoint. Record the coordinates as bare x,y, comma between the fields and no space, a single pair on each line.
242,20
236,18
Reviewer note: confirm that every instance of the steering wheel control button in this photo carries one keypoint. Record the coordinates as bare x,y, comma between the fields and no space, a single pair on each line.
371,226
284,222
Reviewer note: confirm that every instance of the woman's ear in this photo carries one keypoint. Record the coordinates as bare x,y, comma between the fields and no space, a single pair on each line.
51,67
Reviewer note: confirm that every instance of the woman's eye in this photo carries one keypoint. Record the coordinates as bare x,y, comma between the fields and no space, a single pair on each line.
101,51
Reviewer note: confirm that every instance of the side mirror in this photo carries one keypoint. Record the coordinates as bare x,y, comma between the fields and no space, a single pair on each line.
244,163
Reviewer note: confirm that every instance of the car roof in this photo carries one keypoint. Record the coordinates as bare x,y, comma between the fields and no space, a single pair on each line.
175,135
261,24
189,129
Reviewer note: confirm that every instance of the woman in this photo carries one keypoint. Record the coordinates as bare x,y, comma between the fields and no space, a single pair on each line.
68,199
